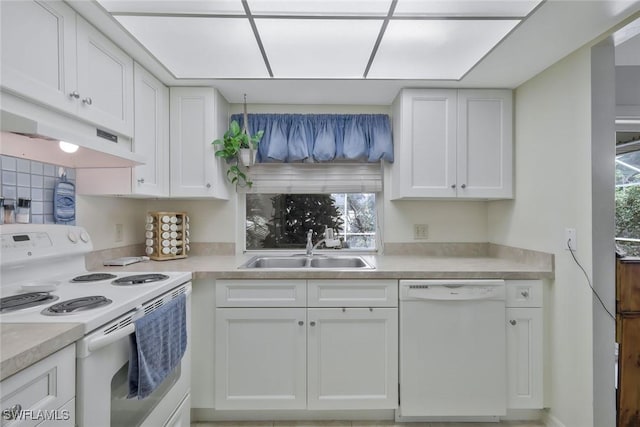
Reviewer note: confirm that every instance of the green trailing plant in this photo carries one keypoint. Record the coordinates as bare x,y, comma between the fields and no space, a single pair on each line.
233,140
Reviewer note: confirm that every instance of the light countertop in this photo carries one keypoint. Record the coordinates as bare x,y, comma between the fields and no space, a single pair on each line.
23,344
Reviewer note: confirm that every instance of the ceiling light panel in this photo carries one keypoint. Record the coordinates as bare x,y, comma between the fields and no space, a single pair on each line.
436,49
200,47
318,48
464,8
218,7
320,7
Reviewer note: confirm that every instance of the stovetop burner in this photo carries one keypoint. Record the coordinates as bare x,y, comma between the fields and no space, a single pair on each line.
94,277
78,304
22,301
139,279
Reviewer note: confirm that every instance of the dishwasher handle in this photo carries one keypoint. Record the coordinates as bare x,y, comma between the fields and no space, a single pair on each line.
452,292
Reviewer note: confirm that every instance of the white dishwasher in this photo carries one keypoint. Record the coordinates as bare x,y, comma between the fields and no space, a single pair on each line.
452,349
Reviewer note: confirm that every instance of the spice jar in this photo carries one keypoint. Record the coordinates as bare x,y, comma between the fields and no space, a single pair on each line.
23,214
9,214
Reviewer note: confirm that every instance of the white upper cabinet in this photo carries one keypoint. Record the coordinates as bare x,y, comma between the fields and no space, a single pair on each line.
151,135
52,56
105,80
199,115
452,144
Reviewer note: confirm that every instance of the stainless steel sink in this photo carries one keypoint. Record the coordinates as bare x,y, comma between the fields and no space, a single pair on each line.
308,262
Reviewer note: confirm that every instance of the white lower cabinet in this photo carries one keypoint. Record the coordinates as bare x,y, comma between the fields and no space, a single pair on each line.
352,358
304,358
524,344
43,393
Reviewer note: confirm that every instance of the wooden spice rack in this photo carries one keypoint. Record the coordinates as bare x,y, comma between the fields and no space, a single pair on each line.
167,235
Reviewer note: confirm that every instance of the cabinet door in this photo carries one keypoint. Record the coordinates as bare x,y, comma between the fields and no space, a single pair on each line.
260,358
105,81
197,114
524,357
39,51
353,358
485,146
425,166
151,134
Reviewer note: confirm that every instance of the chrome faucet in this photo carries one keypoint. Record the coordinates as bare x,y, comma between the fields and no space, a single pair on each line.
328,241
309,243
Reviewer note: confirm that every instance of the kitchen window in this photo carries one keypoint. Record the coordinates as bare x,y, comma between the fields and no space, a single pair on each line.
281,221
628,193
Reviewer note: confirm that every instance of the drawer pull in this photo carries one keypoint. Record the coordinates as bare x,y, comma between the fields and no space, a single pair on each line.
513,322
312,323
300,322
525,294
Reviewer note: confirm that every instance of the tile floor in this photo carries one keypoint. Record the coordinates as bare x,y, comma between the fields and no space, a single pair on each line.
361,424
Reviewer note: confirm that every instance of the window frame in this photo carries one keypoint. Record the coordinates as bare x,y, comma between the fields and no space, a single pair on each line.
241,237
623,149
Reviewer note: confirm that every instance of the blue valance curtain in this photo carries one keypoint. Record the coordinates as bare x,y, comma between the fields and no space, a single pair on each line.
321,137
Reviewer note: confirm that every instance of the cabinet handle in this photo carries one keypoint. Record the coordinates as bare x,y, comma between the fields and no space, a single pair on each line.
371,309
312,323
453,186
344,309
464,186
12,413
208,185
87,101
300,322
74,94
513,322
141,181
525,294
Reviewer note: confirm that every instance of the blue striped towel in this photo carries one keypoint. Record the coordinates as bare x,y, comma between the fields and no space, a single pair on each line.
157,346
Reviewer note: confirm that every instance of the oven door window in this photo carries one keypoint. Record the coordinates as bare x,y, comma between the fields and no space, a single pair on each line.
133,412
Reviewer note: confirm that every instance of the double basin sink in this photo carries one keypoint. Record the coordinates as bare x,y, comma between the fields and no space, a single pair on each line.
307,262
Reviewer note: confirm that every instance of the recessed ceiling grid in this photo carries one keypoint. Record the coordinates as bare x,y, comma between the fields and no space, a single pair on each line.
321,39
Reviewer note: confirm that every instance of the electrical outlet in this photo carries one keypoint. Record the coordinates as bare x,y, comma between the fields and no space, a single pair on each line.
420,231
570,241
119,233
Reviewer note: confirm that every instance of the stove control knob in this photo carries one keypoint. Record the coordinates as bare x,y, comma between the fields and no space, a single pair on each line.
84,236
72,237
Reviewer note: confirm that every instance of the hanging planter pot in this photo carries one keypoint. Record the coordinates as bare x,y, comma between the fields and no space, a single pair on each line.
246,156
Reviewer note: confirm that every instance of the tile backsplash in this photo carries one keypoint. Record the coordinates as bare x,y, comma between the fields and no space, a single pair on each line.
28,179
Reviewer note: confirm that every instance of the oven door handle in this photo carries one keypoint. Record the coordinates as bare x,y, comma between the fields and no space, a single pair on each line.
88,345
95,344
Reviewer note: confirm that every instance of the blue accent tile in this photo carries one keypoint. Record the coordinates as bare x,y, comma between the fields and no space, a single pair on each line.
48,195
24,192
37,181
24,180
49,183
37,208
71,174
37,194
48,219
37,168
37,219
9,178
9,163
47,208
9,192
24,165
49,170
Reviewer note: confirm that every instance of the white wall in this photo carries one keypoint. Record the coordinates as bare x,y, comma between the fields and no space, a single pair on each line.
553,191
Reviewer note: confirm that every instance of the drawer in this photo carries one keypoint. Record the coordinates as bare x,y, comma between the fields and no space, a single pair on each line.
524,293
44,386
352,293
261,293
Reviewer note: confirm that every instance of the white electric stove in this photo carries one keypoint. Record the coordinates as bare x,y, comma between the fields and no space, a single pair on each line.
43,279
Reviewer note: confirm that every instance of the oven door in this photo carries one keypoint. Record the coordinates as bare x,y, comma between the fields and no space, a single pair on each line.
102,383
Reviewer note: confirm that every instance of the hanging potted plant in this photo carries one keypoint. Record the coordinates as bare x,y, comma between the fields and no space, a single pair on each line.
236,147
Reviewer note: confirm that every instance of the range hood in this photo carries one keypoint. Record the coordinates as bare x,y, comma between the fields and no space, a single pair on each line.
36,140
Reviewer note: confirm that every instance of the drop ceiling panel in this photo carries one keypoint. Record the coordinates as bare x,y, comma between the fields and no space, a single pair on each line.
222,7
459,8
436,49
318,48
320,7
200,47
